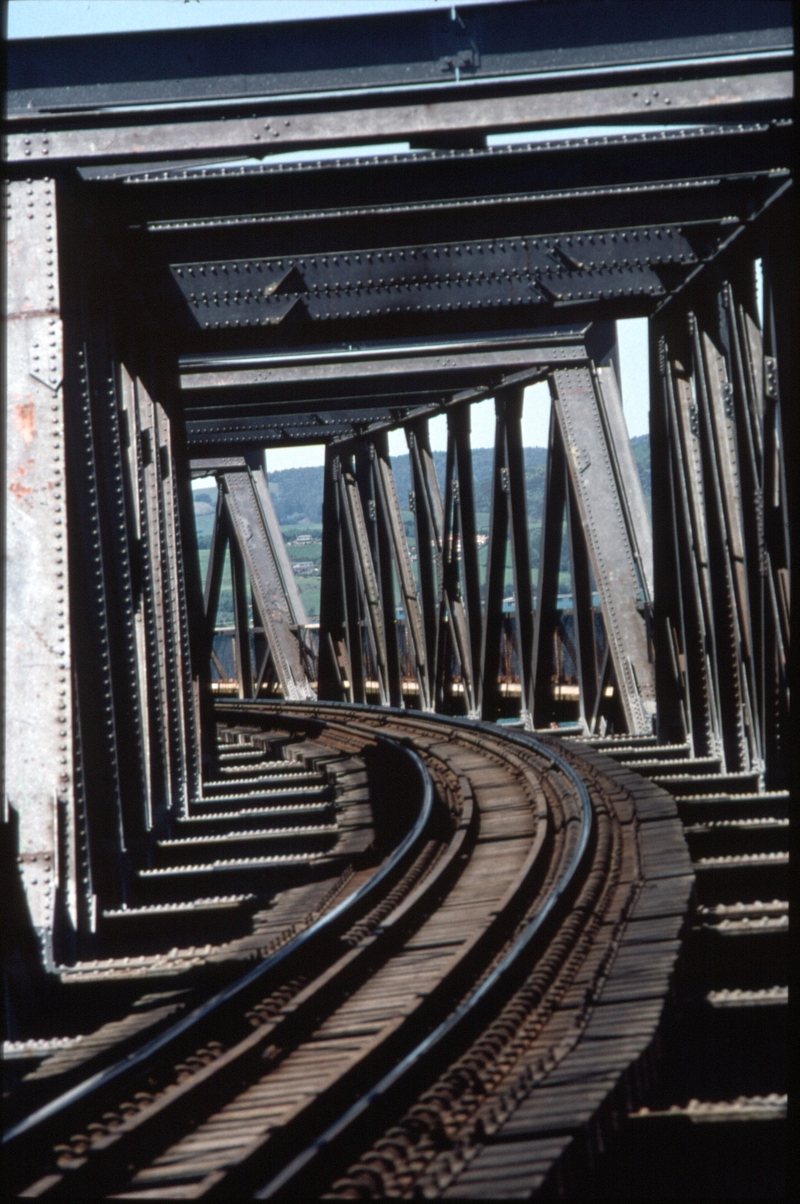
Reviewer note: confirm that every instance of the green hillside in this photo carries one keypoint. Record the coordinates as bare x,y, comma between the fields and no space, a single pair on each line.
297,496
297,492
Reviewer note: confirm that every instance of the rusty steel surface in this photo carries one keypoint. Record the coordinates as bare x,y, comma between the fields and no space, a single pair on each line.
38,789
724,94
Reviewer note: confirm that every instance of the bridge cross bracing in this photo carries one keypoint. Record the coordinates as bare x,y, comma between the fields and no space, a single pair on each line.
172,313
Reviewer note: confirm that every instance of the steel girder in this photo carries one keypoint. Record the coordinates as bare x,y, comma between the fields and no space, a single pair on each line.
102,702
599,265
256,542
417,54
39,787
673,100
721,612
377,269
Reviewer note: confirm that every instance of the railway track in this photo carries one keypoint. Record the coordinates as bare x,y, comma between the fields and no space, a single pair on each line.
503,963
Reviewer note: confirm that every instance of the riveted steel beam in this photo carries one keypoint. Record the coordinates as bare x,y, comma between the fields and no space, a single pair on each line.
597,497
317,369
335,677
425,502
508,532
256,543
37,738
683,632
671,100
288,428
601,265
547,585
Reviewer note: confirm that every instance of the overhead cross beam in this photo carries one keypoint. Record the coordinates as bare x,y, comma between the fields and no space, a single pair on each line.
412,55
672,100
607,264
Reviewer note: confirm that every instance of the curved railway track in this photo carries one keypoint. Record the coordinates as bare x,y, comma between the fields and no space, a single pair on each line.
503,965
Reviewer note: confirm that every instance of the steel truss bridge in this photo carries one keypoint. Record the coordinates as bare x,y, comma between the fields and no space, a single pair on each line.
183,294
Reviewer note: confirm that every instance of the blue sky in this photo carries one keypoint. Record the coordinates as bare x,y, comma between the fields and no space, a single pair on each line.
53,18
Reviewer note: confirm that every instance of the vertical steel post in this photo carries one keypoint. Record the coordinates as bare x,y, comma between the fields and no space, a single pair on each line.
176,652
508,518
379,537
546,619
745,375
364,607
686,695
37,736
725,552
241,617
582,614
391,520
520,546
335,678
459,635
669,639
200,723
156,777
497,552
427,506
780,317
602,512
450,595
458,420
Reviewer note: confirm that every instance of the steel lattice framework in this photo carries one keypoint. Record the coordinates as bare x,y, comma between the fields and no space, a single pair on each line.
171,314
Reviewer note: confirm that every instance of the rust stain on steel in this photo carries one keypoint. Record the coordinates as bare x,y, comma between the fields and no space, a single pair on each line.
330,127
19,314
25,420
16,487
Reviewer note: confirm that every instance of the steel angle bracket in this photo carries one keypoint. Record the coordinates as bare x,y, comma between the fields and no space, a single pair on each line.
44,365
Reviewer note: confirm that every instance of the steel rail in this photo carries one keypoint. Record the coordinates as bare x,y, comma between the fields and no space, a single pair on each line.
303,1161
364,721
82,1091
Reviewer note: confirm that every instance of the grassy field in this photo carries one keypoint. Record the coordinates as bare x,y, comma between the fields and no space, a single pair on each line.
297,495
306,554
308,557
